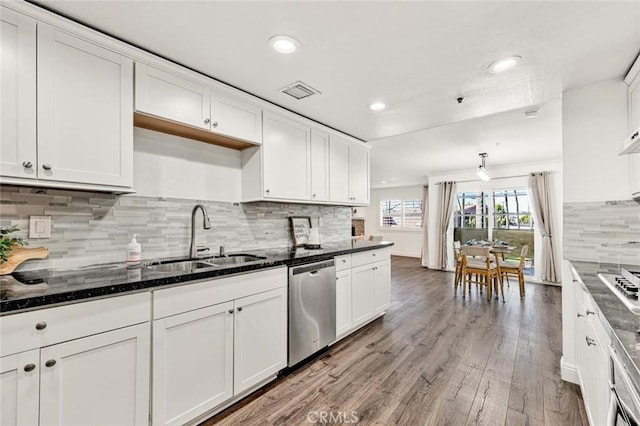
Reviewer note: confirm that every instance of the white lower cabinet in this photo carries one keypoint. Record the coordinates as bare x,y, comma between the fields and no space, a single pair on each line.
260,338
363,289
592,357
343,302
215,340
80,364
20,388
192,364
97,380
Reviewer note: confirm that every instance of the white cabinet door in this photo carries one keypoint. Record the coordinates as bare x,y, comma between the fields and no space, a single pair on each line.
19,388
17,95
361,295
97,380
319,165
634,174
192,363
359,174
343,301
338,170
260,336
634,104
85,111
235,118
177,99
381,287
286,158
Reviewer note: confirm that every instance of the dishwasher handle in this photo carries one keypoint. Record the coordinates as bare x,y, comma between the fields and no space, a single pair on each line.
312,268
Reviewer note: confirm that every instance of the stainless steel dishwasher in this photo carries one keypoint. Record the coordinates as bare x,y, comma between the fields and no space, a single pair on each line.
312,309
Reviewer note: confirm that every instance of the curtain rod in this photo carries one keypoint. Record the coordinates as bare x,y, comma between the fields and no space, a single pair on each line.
478,180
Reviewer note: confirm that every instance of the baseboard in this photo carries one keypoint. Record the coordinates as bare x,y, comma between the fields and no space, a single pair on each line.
569,372
404,254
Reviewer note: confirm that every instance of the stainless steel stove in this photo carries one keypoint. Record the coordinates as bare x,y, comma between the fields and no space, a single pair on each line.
625,286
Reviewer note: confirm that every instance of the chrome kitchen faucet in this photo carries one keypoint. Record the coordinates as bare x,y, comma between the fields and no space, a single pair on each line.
206,224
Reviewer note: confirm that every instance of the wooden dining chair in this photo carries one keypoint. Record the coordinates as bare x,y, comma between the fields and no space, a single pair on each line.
480,267
514,268
457,256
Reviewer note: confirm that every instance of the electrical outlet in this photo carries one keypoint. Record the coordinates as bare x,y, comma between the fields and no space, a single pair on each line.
39,226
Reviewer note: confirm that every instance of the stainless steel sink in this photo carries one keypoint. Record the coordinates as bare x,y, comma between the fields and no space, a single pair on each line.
185,266
235,259
208,263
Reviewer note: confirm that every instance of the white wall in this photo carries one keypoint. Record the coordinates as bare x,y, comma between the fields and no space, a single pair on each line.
406,242
170,166
514,176
594,122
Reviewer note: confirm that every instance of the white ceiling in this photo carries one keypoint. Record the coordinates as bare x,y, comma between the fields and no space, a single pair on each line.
417,57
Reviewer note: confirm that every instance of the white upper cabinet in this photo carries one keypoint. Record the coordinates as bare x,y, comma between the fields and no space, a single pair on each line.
349,171
286,158
634,125
196,104
339,170
233,117
66,109
359,174
85,111
319,165
18,100
164,95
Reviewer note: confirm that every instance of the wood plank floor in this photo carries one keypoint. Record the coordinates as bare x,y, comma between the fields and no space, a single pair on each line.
433,359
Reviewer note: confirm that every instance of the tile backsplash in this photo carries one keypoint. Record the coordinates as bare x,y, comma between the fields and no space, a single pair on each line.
607,232
90,228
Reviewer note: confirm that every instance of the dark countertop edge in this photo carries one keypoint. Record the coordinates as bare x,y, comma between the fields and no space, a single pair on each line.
10,307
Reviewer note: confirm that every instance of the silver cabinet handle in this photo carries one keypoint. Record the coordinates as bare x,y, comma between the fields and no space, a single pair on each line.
239,308
214,124
41,325
46,166
27,164
267,191
313,195
344,260
29,367
206,121
590,341
50,363
590,312
579,315
230,311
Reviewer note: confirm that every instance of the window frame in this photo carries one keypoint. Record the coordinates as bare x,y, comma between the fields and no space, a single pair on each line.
401,226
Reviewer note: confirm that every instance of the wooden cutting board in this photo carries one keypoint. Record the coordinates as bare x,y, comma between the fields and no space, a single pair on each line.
21,254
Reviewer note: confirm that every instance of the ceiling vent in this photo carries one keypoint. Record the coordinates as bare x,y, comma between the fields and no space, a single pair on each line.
299,90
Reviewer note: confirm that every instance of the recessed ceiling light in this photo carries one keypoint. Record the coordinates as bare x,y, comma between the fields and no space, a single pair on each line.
284,44
532,113
377,106
504,64
383,181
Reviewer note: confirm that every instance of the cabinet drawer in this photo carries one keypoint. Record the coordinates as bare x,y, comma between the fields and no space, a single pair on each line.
176,300
358,259
343,262
18,332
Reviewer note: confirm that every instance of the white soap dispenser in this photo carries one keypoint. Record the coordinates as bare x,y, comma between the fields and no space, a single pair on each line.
134,252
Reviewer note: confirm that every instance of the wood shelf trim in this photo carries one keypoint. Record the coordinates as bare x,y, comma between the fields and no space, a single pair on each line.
179,129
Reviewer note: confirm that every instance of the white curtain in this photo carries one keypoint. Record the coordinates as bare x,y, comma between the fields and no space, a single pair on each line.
425,226
447,196
539,190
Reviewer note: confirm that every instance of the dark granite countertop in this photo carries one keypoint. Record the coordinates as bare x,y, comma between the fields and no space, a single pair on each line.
40,288
622,324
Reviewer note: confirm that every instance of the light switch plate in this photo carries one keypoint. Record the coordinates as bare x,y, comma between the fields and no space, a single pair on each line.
39,226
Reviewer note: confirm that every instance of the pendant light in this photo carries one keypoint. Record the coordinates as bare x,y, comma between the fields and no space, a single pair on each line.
482,170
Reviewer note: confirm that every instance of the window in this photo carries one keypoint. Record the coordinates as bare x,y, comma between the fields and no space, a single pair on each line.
401,214
471,210
511,209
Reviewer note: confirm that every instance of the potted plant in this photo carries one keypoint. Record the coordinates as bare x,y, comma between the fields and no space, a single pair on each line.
12,252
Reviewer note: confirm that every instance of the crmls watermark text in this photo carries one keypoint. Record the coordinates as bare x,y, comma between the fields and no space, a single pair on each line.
330,417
